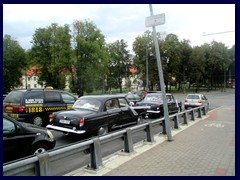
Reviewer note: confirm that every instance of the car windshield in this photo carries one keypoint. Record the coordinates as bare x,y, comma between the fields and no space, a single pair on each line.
192,96
14,97
153,97
89,104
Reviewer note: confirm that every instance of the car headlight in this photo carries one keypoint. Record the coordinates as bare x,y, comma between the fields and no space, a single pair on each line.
50,135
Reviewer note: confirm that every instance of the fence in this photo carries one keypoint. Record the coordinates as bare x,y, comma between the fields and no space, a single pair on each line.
40,165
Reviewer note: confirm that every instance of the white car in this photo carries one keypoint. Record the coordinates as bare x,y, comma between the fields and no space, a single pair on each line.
196,100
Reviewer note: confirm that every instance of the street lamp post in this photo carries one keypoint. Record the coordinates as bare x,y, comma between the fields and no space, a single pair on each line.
147,67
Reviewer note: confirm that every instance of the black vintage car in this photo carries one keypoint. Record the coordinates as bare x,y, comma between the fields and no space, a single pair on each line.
95,115
23,139
154,103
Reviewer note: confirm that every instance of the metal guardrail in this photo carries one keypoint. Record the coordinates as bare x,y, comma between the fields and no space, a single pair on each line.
40,165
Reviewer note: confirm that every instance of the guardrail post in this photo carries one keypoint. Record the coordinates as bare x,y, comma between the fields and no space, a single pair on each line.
192,115
128,143
199,113
176,121
204,111
43,168
150,135
185,118
96,156
164,127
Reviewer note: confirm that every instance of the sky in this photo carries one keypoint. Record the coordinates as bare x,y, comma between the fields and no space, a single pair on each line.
199,23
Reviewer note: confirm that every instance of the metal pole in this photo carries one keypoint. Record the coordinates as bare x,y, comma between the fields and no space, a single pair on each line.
160,72
147,67
224,80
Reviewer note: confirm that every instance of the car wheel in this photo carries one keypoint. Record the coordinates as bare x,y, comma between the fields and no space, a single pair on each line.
102,130
38,149
38,120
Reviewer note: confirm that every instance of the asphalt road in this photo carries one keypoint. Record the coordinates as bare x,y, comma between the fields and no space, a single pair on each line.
216,99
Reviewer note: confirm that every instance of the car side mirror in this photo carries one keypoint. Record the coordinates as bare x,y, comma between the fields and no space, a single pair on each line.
131,103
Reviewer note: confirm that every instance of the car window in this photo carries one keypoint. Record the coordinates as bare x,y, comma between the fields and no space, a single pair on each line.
8,126
123,102
67,98
153,97
34,97
169,98
130,97
112,104
88,104
14,97
204,98
52,97
193,96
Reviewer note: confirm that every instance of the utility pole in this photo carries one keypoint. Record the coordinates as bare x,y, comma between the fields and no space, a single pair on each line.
153,21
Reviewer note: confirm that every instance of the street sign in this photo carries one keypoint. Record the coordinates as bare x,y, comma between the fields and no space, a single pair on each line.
155,20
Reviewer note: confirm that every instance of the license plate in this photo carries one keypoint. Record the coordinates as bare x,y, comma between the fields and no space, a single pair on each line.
63,121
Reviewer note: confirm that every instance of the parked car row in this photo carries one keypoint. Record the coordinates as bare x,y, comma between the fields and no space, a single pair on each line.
92,115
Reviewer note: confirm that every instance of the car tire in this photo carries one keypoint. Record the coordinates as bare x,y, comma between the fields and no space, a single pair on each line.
102,130
38,120
38,149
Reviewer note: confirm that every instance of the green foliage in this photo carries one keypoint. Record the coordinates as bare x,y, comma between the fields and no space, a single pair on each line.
119,64
91,58
51,52
14,63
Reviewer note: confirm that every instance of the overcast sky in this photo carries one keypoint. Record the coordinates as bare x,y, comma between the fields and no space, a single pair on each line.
125,21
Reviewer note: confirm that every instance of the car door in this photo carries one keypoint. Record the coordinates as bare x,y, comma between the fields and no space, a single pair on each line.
53,101
114,113
127,116
205,102
15,141
172,106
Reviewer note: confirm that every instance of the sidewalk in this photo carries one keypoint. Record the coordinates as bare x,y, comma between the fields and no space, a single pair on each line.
206,147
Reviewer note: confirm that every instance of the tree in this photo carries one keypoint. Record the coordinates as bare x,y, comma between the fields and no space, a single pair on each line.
90,55
119,64
14,63
51,51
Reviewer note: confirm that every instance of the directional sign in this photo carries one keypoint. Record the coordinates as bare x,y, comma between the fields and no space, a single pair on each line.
155,20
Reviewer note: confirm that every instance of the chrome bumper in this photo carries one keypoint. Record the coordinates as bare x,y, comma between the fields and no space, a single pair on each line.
62,129
153,111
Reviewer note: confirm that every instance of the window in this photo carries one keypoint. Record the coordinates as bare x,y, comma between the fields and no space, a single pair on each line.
35,85
35,78
8,126
67,98
112,104
14,97
34,97
52,97
123,102
29,78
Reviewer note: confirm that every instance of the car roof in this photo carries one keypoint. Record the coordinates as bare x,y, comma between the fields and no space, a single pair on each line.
195,94
40,89
157,92
104,96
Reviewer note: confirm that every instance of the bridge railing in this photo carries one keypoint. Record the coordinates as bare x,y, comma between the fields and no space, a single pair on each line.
40,165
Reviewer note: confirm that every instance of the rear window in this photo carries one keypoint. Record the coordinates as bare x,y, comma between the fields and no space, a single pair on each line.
14,97
193,96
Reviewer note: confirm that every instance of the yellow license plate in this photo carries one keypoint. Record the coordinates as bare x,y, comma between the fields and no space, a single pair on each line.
14,115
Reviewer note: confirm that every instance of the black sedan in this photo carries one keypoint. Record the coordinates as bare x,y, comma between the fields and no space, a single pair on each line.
23,139
95,115
154,103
